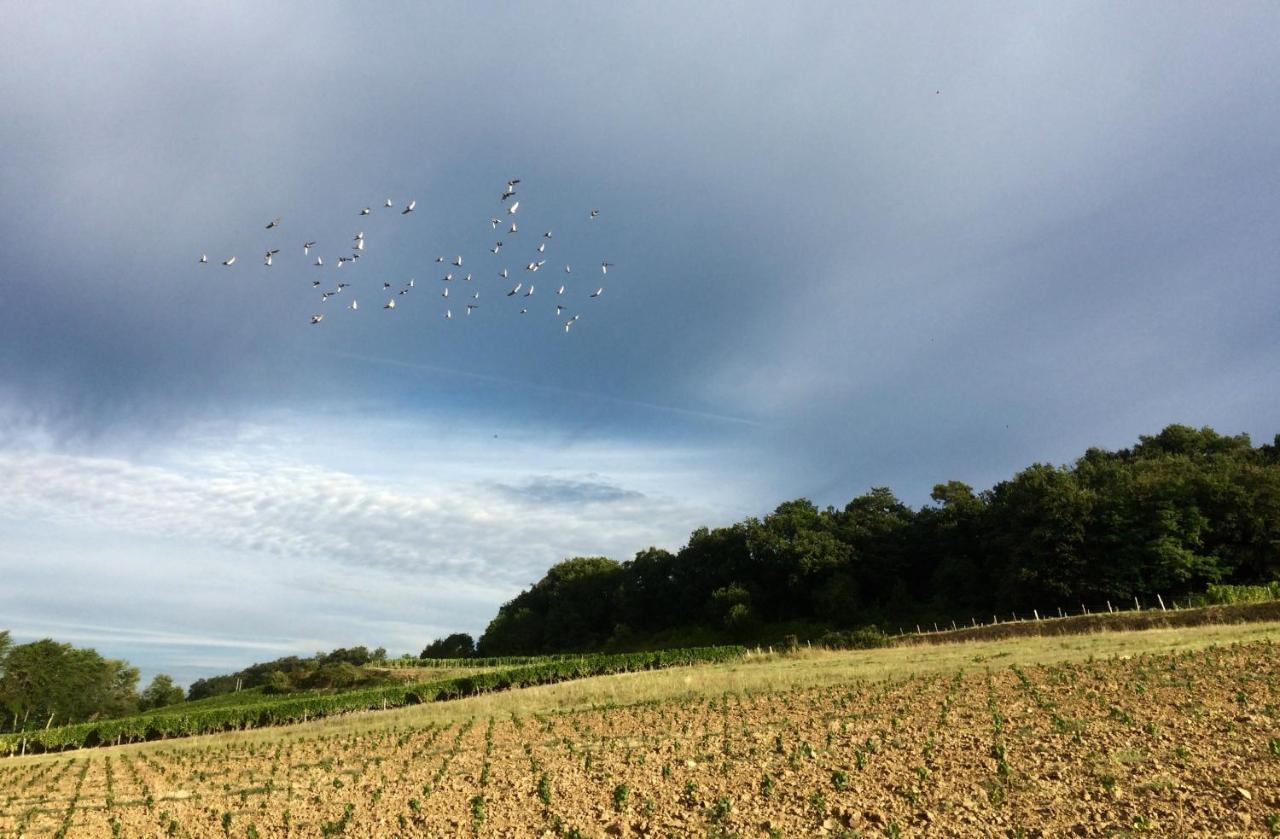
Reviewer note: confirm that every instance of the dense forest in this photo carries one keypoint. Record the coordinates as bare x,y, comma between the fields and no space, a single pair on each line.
1178,511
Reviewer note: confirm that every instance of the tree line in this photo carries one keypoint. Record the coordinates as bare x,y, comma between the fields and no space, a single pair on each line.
45,682
1179,511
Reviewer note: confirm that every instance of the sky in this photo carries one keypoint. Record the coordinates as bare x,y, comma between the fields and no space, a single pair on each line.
853,245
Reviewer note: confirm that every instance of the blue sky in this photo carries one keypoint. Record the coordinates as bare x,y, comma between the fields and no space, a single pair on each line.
855,245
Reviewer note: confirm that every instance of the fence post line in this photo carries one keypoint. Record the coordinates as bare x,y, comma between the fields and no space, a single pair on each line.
975,622
1059,611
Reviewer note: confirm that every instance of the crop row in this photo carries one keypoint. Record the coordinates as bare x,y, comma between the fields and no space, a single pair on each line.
284,710
475,662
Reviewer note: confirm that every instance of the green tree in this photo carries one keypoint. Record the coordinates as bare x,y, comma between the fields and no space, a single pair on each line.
160,693
457,645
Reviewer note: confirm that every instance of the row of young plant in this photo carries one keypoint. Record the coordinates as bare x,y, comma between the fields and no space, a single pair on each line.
477,661
285,710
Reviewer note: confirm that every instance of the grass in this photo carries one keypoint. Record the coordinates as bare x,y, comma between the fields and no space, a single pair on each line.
765,672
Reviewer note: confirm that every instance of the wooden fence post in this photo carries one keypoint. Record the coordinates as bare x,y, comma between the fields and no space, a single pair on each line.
1036,612
1136,604
1109,609
1161,601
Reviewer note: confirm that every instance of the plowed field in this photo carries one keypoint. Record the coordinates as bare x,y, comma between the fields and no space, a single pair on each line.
1184,743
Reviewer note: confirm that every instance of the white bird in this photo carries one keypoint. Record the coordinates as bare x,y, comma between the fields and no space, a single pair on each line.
467,278
229,262
360,236
445,293
388,204
275,223
495,222
204,259
447,278
457,262
365,211
595,214
410,283
324,298
511,211
317,318
439,259
559,309
409,209
341,286
507,193
532,266
529,293
568,270
319,261
391,304
475,296
342,260
354,305
516,290
360,244
570,322
542,248
547,235
524,311
561,291
306,247
514,228
267,260
471,306
598,292
512,183
448,314
497,247
503,273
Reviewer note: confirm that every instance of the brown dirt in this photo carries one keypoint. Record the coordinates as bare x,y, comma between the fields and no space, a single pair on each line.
1166,744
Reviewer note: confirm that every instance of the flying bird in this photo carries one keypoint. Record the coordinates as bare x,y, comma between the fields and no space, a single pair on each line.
471,306
445,293
605,266
561,291
598,292
388,204
529,293
559,309
495,222
513,229
275,223
229,262
516,290
595,214
319,261
568,270
391,304
365,211
306,247
496,247
448,314
547,235
457,262
317,318
503,273
542,248
512,209
409,209
354,305
204,259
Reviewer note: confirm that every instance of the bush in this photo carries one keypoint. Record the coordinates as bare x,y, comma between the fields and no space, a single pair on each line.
1220,595
866,638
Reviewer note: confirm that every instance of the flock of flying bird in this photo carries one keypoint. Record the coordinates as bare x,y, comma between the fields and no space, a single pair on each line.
523,289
